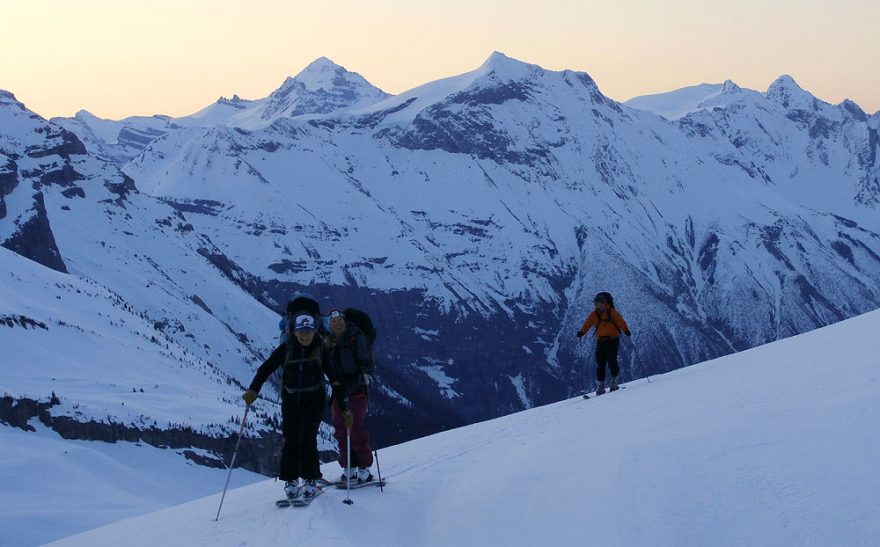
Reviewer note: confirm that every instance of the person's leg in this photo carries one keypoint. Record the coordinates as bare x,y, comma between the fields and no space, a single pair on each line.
287,469
613,349
339,433
601,361
360,435
309,461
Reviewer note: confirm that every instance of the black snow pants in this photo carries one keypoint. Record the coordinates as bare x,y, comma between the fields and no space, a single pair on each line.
301,416
606,354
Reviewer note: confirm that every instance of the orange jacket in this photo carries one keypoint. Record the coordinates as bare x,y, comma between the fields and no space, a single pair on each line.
608,326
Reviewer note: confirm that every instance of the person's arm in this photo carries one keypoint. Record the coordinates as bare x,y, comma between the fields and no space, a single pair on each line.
269,366
340,396
588,324
333,375
620,322
363,354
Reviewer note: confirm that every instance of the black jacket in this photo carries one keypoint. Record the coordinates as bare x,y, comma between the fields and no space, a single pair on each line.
304,368
351,358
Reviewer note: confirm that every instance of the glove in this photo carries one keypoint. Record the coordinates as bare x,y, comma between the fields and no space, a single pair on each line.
347,419
249,397
581,334
627,332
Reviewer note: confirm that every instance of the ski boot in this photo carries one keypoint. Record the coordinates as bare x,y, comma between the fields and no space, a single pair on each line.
309,490
291,489
345,475
600,388
613,386
363,475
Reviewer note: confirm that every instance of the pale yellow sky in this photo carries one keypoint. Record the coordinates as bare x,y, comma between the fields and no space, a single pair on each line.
118,58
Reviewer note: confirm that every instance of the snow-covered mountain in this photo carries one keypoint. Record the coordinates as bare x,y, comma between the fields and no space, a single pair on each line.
322,87
673,105
757,448
120,325
491,206
117,141
474,218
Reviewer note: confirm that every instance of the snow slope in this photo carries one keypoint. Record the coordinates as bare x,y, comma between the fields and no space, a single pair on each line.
675,104
54,487
777,445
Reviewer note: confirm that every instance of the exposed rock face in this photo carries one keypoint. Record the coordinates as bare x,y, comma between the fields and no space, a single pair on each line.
35,239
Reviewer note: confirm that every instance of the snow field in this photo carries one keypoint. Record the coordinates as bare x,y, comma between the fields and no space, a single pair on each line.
773,446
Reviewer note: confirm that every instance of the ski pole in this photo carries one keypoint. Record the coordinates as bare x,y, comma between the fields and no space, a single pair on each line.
375,450
232,463
347,499
635,358
378,469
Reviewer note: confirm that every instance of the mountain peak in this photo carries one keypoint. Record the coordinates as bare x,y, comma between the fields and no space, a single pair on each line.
854,109
235,99
730,87
320,88
84,114
785,82
786,91
7,98
505,67
320,63
496,57
322,73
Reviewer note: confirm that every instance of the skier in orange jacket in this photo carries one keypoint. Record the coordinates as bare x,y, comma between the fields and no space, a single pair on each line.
609,325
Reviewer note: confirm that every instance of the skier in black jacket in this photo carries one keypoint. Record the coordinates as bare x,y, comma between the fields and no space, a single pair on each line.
305,362
352,360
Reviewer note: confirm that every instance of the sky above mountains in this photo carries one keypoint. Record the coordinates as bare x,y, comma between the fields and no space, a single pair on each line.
118,59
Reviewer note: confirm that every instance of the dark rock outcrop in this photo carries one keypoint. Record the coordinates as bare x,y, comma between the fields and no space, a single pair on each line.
35,240
258,454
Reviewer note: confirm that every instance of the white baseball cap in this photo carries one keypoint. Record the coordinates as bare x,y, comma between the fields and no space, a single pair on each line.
304,322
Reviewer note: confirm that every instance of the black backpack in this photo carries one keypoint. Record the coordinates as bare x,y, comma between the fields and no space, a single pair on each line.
302,305
363,322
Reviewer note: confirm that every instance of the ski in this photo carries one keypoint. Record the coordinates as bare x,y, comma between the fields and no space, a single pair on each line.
355,485
298,502
609,390
302,502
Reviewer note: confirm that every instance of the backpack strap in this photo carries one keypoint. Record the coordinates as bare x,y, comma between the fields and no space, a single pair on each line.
609,319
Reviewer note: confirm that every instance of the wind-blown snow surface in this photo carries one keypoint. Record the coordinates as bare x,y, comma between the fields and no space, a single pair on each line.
777,445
